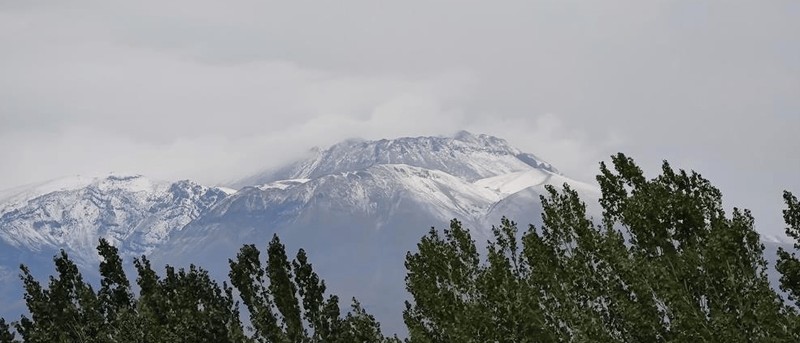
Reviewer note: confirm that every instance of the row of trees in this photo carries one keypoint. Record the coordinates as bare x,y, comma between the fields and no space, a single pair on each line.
286,302
665,263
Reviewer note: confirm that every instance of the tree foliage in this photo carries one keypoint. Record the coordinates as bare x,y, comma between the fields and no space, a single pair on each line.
788,264
665,263
285,300
6,336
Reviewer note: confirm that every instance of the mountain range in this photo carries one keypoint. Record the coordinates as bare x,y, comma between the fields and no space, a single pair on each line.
356,207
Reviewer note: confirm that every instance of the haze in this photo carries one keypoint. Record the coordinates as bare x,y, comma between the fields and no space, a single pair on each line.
212,91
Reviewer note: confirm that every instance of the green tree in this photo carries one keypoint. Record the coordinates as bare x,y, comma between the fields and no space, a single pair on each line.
442,279
248,276
115,295
704,270
665,263
67,310
788,264
284,290
6,336
359,326
152,309
286,300
321,315
186,306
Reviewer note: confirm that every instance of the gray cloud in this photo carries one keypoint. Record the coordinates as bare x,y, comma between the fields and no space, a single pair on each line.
210,90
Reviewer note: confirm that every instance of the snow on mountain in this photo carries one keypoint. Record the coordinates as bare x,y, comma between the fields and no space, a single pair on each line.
375,197
282,184
511,183
132,212
372,191
18,196
464,155
359,206
356,208
520,194
226,190
356,227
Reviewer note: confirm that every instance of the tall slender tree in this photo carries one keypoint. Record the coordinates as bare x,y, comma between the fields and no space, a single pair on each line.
665,263
286,301
67,310
115,295
186,305
284,290
788,264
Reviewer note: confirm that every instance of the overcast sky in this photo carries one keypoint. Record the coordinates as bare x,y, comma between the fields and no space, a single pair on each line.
213,90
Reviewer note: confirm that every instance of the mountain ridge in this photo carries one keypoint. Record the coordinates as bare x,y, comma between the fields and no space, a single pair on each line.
359,205
463,154
128,210
356,207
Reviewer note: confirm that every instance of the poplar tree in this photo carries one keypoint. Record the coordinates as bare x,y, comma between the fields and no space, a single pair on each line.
788,264
286,301
115,296
186,305
664,263
67,310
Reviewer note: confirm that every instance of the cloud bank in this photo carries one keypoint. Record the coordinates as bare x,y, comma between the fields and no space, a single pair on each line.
211,91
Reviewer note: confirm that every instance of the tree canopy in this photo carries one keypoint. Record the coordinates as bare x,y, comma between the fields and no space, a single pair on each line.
664,263
187,305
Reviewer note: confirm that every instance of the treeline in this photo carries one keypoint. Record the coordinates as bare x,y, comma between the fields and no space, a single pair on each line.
664,263
286,302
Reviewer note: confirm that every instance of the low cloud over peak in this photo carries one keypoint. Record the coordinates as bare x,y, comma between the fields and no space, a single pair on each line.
213,91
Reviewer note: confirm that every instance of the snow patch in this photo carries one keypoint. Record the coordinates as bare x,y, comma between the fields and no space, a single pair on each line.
282,184
465,155
514,182
226,190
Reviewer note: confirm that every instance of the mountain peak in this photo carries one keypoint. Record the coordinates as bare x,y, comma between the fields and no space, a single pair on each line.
484,139
465,136
131,211
17,196
465,155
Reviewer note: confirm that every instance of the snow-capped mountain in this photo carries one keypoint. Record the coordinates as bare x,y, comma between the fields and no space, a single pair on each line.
132,212
356,207
359,206
464,155
387,181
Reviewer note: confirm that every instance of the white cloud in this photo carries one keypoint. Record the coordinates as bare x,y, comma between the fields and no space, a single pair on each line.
210,90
